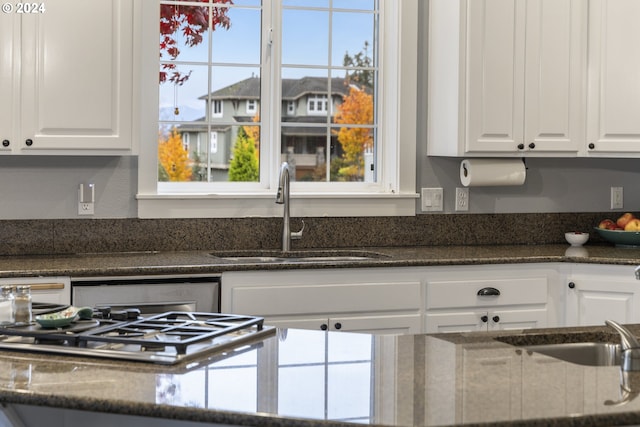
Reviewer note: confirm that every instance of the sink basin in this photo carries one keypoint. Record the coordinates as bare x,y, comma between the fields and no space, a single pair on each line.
581,353
295,256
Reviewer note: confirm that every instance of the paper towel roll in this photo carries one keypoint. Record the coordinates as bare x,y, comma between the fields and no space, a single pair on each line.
492,172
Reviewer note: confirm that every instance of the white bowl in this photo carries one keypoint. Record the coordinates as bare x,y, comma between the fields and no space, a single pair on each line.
576,238
577,252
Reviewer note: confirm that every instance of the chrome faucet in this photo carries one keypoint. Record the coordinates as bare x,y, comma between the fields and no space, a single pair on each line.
282,198
638,272
630,347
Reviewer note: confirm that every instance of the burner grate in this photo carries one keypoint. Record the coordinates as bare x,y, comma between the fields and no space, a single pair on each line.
172,329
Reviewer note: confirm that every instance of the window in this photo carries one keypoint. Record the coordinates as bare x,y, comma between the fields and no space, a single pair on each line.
317,104
216,108
352,142
252,106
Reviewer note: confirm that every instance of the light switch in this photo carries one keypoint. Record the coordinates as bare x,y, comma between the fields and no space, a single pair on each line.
432,200
86,193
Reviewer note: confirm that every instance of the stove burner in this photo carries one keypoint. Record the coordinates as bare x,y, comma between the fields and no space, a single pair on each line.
164,338
171,329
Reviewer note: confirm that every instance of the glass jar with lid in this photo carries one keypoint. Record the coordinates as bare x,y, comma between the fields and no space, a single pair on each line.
23,310
7,306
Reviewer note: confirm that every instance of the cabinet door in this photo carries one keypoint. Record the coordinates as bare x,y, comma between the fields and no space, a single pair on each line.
517,319
77,75
400,324
614,66
494,320
460,321
8,23
555,64
592,300
495,43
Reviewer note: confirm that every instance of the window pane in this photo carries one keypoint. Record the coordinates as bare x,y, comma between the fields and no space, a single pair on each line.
244,32
180,102
306,3
305,37
184,33
353,37
355,4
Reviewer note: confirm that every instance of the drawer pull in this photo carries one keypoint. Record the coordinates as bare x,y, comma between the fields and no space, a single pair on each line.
488,292
496,319
484,319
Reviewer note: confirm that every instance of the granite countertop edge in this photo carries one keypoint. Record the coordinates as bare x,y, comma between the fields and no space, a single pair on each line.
203,262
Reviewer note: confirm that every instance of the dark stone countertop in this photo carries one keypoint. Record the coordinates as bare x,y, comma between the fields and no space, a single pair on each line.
202,262
318,379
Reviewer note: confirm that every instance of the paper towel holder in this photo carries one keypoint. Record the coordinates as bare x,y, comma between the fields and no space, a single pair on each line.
466,172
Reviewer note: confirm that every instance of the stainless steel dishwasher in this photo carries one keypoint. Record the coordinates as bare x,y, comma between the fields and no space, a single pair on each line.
150,294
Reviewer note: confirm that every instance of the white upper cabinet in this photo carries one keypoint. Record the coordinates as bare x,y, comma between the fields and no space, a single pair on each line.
74,90
506,77
613,126
7,106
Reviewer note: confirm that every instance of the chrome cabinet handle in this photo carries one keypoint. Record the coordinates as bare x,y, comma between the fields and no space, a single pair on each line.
488,292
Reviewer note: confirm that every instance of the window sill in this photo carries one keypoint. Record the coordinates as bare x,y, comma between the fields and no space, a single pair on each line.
263,205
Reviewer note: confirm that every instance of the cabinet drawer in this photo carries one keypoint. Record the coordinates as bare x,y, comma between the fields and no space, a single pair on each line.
464,293
336,298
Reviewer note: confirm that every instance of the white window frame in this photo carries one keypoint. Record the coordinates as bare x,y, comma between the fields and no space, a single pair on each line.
291,108
393,195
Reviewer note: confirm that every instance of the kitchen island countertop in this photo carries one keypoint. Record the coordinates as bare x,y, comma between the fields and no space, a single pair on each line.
320,379
202,262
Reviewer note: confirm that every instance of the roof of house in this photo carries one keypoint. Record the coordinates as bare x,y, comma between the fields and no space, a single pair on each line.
292,89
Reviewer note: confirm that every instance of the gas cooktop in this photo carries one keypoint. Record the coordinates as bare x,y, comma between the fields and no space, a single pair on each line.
166,338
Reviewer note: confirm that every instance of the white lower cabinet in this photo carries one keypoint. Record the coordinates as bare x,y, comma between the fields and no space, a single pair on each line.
595,293
490,297
378,300
459,298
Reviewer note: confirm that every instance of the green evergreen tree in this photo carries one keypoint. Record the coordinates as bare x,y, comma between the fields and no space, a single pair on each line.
244,165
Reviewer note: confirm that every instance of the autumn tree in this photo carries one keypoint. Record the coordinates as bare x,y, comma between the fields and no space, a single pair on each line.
356,109
244,165
174,158
253,132
192,22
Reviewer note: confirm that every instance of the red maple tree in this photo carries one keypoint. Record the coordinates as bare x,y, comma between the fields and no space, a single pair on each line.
192,22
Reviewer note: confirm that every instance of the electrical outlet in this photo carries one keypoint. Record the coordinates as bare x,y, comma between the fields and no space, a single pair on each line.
462,199
617,198
85,208
86,198
432,200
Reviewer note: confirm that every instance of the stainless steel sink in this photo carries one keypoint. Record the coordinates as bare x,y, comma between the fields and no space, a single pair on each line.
582,353
296,256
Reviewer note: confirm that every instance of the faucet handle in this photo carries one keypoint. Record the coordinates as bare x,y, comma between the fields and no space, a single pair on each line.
297,235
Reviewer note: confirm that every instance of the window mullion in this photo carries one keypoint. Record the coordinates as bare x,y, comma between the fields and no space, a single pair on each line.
271,90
